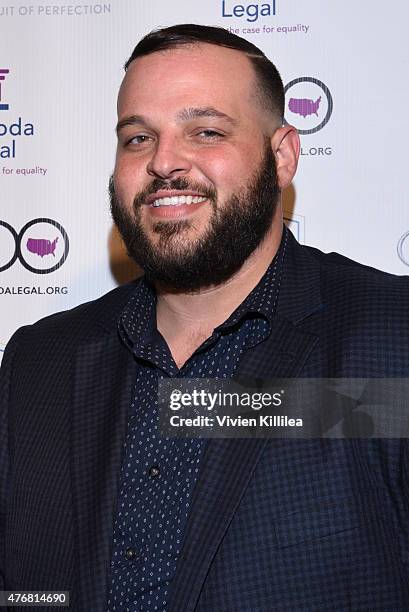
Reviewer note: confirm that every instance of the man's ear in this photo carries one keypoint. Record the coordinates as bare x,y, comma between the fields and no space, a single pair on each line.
285,144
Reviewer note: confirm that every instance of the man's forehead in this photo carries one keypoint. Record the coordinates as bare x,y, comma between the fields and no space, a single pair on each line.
198,75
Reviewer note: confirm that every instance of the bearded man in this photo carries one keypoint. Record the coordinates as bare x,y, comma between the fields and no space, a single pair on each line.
94,500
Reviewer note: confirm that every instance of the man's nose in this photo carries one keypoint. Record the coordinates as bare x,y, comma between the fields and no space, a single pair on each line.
168,160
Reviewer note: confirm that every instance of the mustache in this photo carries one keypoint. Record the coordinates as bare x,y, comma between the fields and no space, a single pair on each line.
178,184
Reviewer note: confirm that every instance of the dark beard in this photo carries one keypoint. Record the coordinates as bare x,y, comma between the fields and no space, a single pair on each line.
233,234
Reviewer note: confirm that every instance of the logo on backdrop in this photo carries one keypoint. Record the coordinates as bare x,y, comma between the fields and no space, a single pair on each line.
41,246
10,129
296,223
403,248
3,73
54,10
249,11
308,104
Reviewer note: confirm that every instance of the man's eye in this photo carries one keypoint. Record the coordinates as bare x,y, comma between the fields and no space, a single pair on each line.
210,134
140,139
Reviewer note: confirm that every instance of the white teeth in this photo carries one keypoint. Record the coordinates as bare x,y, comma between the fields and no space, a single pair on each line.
177,200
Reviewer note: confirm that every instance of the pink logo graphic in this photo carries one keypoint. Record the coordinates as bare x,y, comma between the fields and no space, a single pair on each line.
304,106
41,247
3,72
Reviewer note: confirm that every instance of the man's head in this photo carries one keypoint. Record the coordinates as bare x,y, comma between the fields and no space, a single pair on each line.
202,154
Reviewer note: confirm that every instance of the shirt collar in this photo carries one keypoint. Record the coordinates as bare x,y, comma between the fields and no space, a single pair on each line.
262,299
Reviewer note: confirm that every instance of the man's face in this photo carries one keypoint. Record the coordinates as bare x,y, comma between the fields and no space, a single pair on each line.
194,187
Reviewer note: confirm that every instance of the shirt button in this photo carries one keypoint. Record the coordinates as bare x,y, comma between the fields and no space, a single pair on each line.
130,553
154,471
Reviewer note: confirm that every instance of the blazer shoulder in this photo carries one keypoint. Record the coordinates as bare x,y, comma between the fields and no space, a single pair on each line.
363,322
339,273
361,301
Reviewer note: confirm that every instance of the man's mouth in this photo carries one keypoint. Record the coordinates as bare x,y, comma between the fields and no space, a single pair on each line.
177,200
174,197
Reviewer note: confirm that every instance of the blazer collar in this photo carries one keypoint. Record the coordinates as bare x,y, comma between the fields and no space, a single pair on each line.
300,293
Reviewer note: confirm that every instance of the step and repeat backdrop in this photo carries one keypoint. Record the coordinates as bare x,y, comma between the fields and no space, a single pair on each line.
344,66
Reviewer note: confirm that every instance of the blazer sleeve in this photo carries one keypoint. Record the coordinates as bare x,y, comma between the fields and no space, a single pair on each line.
5,386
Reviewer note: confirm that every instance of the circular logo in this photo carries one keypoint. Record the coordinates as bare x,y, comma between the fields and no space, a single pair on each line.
42,246
403,248
308,104
9,242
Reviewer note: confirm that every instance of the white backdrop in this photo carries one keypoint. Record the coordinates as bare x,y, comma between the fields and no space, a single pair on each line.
344,66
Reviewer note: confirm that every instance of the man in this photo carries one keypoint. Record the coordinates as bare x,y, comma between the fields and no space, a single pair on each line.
93,500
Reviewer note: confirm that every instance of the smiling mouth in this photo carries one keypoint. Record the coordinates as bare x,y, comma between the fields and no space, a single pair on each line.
177,200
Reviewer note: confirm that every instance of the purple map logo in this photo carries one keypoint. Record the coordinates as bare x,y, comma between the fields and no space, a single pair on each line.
41,246
304,106
3,73
310,105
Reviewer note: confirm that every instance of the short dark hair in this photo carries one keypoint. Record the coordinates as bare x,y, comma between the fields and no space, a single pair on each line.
269,80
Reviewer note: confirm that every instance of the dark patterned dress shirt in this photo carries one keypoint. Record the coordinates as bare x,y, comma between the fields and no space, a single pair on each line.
158,475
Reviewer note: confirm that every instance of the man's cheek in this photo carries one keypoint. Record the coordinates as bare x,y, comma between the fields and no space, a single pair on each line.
226,173
125,186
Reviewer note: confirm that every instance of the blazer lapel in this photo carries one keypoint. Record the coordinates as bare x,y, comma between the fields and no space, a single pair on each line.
104,375
228,464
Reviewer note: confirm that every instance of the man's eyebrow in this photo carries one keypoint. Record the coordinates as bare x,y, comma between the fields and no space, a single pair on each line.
187,114
208,111
131,120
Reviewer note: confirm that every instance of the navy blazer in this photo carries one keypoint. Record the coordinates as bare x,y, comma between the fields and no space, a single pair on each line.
274,524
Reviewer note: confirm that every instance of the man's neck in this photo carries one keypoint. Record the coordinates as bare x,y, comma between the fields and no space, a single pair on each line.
184,316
